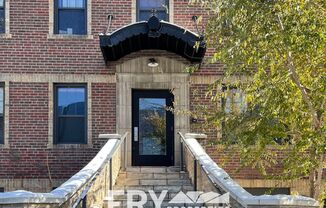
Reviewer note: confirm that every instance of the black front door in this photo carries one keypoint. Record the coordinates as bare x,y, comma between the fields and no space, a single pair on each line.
152,128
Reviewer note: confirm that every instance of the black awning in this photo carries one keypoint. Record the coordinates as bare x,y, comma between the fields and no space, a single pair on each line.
152,34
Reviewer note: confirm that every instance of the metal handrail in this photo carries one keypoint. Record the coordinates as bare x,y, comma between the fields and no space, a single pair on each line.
182,141
108,159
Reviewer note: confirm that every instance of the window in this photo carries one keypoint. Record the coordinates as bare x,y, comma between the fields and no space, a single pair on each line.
2,189
2,16
2,109
234,100
70,114
145,9
70,17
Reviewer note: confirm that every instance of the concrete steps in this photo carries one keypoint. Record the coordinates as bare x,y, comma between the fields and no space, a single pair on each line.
153,182
164,204
157,179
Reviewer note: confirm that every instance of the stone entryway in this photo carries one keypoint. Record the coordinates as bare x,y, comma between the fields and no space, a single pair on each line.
135,74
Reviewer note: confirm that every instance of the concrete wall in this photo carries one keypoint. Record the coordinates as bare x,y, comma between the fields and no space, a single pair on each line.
207,176
93,179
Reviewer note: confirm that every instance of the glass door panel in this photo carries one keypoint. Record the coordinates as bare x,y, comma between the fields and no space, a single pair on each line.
152,126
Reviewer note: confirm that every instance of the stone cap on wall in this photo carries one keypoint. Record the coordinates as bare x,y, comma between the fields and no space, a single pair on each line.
71,187
237,193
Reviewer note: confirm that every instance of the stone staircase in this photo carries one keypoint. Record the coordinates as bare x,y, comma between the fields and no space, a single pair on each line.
157,179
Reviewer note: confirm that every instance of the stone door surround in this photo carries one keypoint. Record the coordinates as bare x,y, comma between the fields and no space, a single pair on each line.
135,74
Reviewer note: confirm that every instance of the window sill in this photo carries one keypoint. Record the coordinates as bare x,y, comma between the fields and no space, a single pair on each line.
61,36
5,36
69,146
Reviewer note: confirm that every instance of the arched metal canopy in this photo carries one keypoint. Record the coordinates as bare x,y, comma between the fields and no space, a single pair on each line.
152,34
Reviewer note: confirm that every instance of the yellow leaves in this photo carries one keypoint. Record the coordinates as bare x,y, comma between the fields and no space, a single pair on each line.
252,39
196,45
199,20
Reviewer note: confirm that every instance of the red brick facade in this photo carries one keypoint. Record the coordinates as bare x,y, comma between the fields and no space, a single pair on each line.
30,51
28,155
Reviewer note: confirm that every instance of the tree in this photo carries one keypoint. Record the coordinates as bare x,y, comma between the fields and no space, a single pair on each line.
280,47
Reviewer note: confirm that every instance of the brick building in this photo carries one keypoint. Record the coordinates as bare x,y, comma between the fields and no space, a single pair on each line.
66,77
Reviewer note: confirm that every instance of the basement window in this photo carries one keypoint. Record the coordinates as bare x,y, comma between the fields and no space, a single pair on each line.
2,104
70,114
145,8
2,189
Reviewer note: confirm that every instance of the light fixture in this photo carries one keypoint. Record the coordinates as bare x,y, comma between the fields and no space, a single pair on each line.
152,62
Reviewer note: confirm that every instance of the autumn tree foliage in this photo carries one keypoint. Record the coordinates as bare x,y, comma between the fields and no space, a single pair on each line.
275,53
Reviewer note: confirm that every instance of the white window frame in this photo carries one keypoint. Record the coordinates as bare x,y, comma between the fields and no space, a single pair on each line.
88,35
6,34
5,85
134,11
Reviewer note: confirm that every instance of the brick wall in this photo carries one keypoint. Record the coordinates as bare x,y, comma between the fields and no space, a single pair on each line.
28,155
31,51
28,127
183,13
226,158
104,111
201,105
230,161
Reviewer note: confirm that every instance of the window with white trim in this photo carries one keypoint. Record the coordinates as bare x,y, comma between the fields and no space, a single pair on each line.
70,114
2,16
145,9
70,17
234,100
2,109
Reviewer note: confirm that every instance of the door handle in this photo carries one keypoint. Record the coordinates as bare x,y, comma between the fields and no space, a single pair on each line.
136,134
